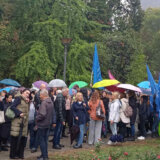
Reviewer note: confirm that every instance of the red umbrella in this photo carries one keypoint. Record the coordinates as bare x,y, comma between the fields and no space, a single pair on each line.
114,88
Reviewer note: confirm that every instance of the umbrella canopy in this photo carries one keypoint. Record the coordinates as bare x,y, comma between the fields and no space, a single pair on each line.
146,91
144,84
10,82
7,89
57,83
114,88
105,83
37,84
81,84
129,87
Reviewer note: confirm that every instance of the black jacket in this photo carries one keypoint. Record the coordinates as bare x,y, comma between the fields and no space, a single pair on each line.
106,102
60,108
37,100
133,104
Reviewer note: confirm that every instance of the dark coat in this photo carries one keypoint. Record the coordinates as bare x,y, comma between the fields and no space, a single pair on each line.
60,108
5,127
143,109
133,104
106,102
79,110
46,114
37,100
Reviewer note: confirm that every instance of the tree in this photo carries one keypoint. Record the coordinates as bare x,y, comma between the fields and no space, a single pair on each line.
34,65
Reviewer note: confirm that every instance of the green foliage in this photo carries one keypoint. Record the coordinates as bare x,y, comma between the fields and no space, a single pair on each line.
34,65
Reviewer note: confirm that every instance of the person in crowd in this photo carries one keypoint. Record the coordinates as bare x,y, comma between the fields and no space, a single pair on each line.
67,110
33,144
37,100
124,120
60,105
45,118
143,116
79,114
76,87
5,127
155,119
95,123
19,125
2,95
114,116
133,104
105,100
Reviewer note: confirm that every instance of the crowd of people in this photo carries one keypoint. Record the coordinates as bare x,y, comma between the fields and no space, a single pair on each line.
97,114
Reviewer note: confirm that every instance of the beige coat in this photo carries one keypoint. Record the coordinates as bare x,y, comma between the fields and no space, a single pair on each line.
15,125
123,118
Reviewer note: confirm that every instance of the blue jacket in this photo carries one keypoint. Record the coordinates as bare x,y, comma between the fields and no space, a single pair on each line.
79,110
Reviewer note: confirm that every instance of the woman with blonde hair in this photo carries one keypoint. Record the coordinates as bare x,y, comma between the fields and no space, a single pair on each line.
79,115
114,116
95,124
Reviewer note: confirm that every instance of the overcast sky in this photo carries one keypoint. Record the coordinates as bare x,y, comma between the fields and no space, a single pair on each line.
150,3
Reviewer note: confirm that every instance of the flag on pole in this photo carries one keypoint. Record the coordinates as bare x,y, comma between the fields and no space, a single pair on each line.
96,70
110,75
152,85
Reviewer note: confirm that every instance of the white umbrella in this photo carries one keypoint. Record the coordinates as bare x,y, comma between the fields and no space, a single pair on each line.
129,87
57,83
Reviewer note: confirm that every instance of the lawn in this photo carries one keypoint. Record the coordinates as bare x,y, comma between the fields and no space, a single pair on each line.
139,150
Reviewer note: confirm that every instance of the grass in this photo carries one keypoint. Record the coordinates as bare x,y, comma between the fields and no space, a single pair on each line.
140,150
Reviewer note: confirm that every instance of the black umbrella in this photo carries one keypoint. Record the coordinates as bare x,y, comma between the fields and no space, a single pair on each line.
20,134
74,132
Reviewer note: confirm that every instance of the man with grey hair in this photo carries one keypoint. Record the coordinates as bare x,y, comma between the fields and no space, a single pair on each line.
61,117
45,118
37,100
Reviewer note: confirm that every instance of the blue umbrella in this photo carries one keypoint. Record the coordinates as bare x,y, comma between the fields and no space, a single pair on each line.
10,82
5,89
144,84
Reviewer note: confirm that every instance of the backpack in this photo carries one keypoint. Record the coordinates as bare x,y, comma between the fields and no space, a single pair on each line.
128,111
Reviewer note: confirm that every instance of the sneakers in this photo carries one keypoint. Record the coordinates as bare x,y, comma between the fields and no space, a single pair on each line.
141,138
77,146
110,142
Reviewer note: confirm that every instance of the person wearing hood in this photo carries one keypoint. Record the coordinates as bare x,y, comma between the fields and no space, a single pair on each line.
114,115
142,117
124,120
45,118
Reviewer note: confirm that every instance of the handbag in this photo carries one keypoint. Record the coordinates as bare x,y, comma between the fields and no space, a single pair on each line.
9,113
2,119
99,112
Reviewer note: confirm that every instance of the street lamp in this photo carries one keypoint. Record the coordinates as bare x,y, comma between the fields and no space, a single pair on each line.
66,42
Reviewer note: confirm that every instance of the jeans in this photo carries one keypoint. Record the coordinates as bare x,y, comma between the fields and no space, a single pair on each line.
43,134
81,134
155,123
57,133
132,130
113,127
33,136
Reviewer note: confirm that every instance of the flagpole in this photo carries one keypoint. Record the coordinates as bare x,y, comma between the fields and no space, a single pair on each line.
91,78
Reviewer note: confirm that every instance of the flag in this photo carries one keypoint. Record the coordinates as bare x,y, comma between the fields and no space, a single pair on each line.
158,97
152,85
96,70
110,75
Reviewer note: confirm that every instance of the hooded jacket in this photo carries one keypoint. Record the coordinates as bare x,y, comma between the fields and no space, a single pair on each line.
114,108
46,114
